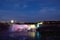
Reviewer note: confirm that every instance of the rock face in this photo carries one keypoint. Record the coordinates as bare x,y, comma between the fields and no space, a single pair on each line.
4,26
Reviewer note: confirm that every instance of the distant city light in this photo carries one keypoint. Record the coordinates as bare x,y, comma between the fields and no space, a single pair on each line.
12,21
40,23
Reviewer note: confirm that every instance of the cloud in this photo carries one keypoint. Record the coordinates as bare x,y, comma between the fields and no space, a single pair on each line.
36,9
25,6
49,14
44,14
13,4
11,14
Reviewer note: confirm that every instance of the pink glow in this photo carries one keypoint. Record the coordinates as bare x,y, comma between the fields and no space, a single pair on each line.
16,27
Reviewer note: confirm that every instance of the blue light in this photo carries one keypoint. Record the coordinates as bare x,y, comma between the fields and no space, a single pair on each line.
38,35
37,25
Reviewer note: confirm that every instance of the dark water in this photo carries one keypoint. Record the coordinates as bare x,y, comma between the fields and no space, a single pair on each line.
29,36
20,36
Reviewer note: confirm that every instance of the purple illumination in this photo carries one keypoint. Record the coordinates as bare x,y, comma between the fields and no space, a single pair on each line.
16,27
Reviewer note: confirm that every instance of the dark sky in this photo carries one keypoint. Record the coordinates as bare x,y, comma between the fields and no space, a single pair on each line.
30,10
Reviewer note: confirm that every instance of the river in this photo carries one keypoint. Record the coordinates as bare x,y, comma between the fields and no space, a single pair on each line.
20,36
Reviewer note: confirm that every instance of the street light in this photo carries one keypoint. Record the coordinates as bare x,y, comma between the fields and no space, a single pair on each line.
12,21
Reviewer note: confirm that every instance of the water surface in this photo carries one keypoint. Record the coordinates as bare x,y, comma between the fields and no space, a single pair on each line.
20,36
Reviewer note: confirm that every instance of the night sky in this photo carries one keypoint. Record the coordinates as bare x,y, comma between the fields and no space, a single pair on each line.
30,10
